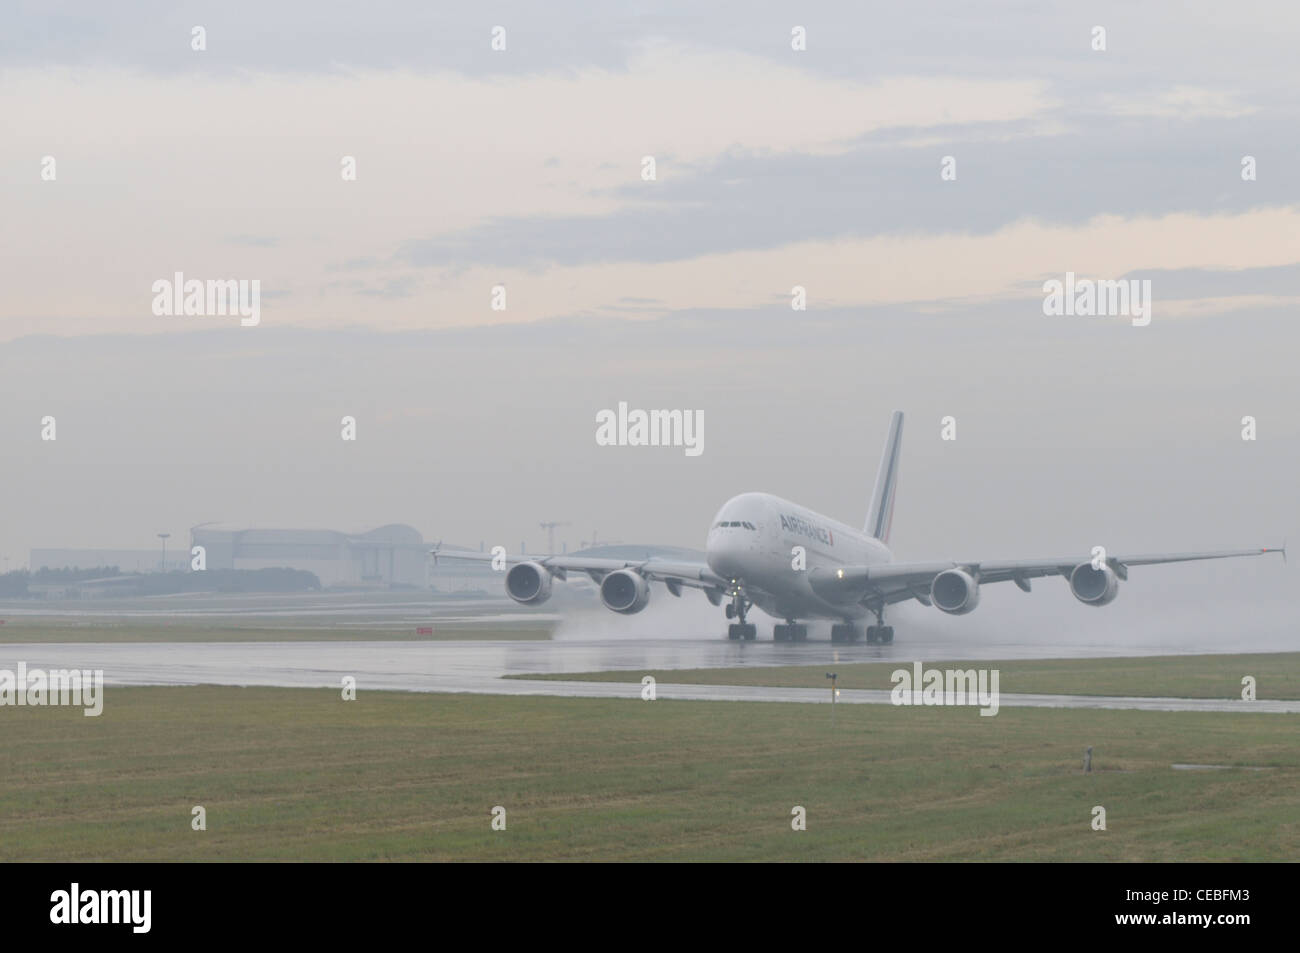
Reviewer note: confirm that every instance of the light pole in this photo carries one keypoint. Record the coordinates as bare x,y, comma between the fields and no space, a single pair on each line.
835,693
164,537
550,535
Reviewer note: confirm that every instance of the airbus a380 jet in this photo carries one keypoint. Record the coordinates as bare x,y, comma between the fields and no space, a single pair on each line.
847,575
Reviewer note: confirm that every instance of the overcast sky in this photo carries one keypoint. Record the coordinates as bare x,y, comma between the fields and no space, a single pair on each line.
774,168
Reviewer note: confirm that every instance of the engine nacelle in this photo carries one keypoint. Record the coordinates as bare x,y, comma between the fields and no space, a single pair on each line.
528,583
955,592
1094,587
624,591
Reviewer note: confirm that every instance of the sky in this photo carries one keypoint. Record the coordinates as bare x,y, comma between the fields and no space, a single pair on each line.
524,168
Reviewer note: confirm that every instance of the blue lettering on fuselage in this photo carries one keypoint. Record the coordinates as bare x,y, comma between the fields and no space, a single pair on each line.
801,527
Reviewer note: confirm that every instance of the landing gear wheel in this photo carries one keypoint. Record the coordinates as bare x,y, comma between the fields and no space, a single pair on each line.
741,630
790,632
873,634
886,634
845,633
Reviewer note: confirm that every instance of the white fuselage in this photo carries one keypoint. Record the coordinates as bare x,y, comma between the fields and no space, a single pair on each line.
752,541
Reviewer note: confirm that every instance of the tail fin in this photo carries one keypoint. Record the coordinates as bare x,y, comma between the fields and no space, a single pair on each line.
881,514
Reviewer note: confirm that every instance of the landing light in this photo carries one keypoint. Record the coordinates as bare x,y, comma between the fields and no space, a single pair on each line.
840,573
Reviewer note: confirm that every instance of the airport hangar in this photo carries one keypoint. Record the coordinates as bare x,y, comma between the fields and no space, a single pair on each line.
392,556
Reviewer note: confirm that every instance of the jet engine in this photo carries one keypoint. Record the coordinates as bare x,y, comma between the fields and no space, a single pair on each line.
1094,587
624,591
528,583
955,592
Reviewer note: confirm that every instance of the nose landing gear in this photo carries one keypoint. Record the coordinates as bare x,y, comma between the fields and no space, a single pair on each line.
737,609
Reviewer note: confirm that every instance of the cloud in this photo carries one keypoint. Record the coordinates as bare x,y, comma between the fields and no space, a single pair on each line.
772,168
891,269
1181,102
888,185
192,160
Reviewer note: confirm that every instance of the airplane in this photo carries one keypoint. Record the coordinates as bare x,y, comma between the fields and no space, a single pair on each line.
753,558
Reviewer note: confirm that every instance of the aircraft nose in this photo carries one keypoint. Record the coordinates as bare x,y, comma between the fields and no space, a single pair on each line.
724,553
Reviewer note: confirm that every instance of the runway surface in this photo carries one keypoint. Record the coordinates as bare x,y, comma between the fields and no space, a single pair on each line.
322,610
477,667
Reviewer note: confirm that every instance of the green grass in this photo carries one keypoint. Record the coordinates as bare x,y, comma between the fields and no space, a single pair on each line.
187,631
298,774
1277,676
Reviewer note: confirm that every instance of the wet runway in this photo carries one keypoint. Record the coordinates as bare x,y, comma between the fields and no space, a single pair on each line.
477,667
322,610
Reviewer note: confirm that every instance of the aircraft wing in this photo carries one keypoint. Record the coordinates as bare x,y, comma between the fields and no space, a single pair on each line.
673,572
898,582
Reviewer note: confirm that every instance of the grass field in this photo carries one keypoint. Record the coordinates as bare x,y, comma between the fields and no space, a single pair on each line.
190,631
1276,676
297,774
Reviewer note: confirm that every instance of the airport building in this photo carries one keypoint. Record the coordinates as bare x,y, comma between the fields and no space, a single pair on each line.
395,555
392,556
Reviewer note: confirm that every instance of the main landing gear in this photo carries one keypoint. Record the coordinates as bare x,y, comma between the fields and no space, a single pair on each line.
736,610
880,634
790,632
845,632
